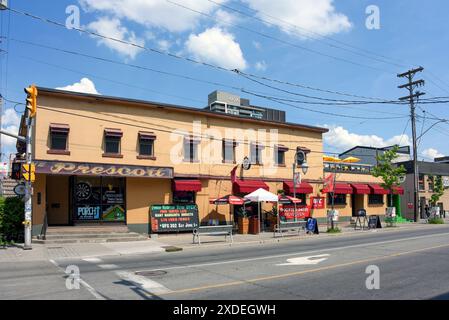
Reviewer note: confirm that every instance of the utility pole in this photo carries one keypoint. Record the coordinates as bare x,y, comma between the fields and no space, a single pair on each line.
411,85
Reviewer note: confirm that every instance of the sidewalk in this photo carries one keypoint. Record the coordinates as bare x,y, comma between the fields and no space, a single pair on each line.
41,252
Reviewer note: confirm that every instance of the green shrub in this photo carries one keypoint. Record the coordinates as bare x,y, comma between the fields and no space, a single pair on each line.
436,221
333,230
11,217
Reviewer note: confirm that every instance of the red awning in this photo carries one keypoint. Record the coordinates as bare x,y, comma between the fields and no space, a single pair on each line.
341,188
360,188
187,185
288,200
304,187
377,189
248,186
398,190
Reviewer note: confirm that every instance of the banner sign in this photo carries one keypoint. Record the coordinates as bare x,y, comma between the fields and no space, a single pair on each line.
317,202
102,169
173,217
88,212
287,211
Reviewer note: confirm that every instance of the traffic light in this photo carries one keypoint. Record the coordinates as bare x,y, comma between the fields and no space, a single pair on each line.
31,91
16,168
28,172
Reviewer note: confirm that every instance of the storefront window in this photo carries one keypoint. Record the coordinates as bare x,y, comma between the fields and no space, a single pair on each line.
375,199
183,197
99,199
339,199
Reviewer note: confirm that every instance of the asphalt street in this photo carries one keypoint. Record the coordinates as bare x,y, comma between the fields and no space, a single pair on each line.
410,264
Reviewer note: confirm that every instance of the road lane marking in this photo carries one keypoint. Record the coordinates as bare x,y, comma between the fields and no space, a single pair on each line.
200,265
145,283
311,260
93,260
298,273
108,266
88,287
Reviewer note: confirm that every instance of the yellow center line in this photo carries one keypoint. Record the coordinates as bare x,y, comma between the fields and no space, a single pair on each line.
297,273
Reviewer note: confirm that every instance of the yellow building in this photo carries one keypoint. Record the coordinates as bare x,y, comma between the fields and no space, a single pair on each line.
108,160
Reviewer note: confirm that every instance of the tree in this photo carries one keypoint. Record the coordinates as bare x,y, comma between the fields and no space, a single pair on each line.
388,171
438,189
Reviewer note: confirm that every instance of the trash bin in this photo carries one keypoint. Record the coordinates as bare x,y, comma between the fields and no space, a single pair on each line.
253,225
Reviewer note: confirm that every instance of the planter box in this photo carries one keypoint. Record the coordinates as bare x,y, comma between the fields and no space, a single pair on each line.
243,224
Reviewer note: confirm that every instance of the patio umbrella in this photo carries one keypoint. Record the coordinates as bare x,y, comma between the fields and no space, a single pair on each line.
351,160
229,199
282,199
261,195
331,159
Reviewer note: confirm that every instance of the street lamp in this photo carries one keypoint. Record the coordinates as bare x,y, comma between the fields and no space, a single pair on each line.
304,168
300,160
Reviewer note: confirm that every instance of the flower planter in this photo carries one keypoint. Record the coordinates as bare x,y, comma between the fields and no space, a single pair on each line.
243,224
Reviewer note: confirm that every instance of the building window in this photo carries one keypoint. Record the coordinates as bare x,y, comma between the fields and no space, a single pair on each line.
228,151
112,141
256,153
430,181
146,145
375,199
339,199
191,149
59,134
279,155
421,183
183,197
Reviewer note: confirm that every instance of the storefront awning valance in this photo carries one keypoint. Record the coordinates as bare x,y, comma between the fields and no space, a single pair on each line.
187,185
398,190
304,187
229,199
248,186
341,188
360,188
59,128
377,189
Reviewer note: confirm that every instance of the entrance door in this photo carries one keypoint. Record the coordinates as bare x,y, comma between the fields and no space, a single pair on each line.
57,194
98,199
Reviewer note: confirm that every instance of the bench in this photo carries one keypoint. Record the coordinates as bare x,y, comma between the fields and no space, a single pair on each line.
225,230
289,226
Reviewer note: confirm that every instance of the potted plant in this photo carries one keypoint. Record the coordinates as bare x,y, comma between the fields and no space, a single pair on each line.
243,221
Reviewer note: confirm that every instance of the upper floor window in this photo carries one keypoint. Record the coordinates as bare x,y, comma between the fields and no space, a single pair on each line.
256,153
430,181
191,149
146,144
279,155
112,142
228,147
59,134
421,185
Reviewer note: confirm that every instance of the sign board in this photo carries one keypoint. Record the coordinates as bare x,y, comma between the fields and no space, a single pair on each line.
446,182
374,222
19,189
173,217
287,211
102,169
317,202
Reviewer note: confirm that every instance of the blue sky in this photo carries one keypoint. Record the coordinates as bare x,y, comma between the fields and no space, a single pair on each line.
411,33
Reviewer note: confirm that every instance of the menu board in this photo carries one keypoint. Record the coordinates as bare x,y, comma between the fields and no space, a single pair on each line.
173,217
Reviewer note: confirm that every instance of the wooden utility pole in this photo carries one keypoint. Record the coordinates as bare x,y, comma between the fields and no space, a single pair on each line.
411,85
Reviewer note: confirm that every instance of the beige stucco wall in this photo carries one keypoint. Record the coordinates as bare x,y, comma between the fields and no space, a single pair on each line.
57,200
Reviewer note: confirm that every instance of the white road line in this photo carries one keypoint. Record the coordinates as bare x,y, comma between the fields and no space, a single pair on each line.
93,260
143,282
296,253
107,266
82,282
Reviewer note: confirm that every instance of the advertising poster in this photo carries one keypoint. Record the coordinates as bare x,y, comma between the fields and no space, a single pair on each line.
173,217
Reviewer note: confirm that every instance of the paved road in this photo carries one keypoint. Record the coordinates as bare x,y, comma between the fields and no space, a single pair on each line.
412,264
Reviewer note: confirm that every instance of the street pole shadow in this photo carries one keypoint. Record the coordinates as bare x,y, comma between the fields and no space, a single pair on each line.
144,294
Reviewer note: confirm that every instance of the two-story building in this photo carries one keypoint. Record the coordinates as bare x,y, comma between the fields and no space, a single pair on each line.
103,159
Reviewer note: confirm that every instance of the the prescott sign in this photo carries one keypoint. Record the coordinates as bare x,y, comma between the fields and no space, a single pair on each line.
102,169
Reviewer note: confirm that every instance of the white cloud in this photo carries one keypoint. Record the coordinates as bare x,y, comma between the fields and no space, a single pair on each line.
10,123
164,45
225,19
113,28
153,13
216,46
432,153
318,16
261,66
85,86
342,139
257,45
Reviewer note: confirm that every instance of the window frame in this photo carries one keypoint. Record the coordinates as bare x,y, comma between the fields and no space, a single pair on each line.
193,149
372,197
258,151
61,130
115,134
146,138
228,144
